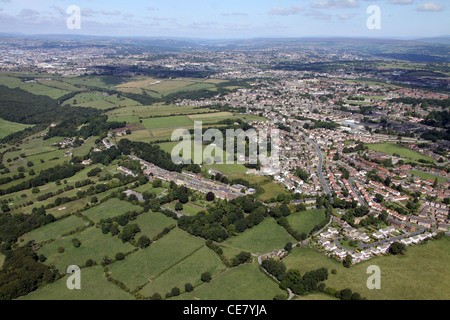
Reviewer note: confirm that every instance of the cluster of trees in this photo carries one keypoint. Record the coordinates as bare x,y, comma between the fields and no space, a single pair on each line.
59,172
14,226
225,219
292,278
242,257
21,106
22,273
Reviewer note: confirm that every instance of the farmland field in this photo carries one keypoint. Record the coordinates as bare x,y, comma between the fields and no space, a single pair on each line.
404,152
427,176
167,122
54,230
94,245
94,286
145,265
260,239
7,127
403,277
109,209
188,270
229,285
304,222
152,223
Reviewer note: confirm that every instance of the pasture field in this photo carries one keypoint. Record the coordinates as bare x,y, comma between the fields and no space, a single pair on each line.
32,87
427,176
7,127
261,239
304,221
156,110
229,285
54,230
167,122
404,152
143,266
95,81
94,286
271,190
100,100
421,274
188,270
110,209
94,245
152,223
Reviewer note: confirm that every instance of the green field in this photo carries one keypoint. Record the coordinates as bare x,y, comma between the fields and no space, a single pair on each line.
54,230
304,222
7,127
188,270
94,245
167,122
109,209
143,266
427,176
422,274
32,87
99,100
404,152
246,282
152,223
261,239
94,286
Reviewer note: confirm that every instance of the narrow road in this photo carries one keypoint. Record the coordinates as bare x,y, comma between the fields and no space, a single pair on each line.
326,189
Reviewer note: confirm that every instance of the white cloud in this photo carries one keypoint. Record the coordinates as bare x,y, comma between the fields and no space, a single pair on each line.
401,1
281,11
335,4
430,7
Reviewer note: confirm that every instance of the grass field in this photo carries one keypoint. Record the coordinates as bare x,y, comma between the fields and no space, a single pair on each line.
404,152
245,282
188,270
94,286
7,127
304,222
156,110
427,176
32,87
263,238
145,265
152,223
54,230
109,209
167,122
271,189
422,274
94,245
99,100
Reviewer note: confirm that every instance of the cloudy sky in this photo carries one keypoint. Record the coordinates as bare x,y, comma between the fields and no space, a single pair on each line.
228,18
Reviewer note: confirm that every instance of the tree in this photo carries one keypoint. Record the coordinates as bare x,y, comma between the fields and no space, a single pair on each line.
188,287
397,248
175,292
156,296
348,261
178,206
206,277
120,256
288,247
210,196
345,294
89,263
144,242
76,243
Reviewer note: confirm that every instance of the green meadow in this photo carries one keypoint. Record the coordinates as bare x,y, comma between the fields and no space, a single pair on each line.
7,127
403,152
421,274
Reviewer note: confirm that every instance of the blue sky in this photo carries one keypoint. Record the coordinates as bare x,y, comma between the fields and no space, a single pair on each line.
229,18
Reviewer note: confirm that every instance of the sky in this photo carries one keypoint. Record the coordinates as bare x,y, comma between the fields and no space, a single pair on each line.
229,19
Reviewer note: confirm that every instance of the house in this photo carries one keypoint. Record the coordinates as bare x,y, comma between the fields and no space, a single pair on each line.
378,235
406,241
340,253
384,248
330,247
